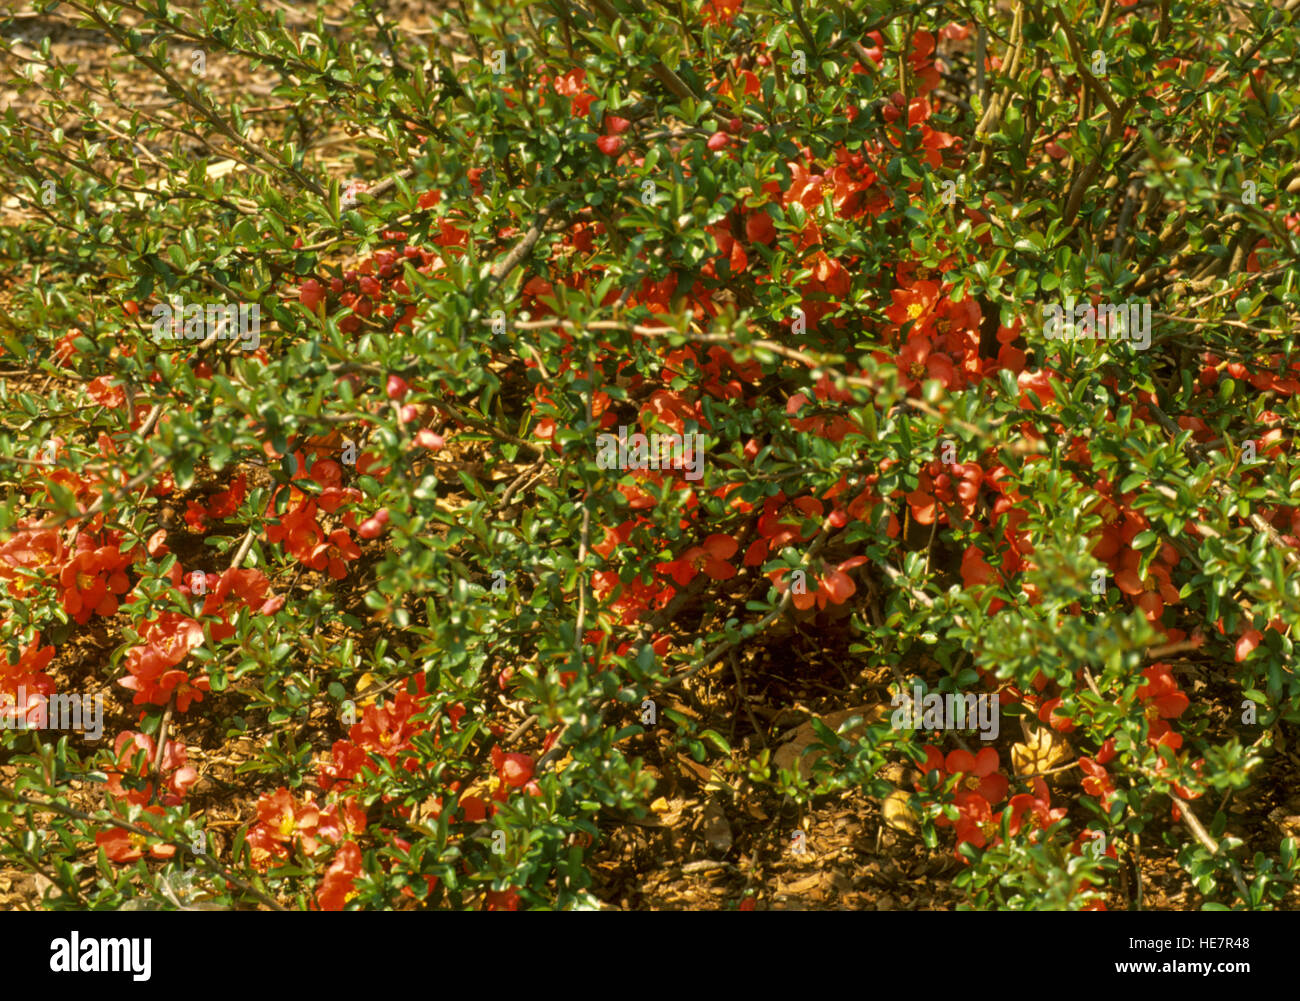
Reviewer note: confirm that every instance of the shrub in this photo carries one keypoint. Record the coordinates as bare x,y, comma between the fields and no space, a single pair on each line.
384,552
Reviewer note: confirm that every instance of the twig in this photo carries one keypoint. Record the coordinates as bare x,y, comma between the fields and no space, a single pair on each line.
1203,836
526,243
244,547
1137,868
156,770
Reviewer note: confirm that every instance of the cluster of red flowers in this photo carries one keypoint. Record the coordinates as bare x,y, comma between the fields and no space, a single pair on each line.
284,823
95,577
299,529
129,784
28,671
154,670
376,287
386,732
978,787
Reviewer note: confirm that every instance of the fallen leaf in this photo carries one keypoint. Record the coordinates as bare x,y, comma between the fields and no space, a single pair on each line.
692,767
791,753
717,832
1043,750
364,683
898,814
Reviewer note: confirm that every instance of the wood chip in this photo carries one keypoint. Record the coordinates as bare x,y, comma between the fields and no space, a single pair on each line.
803,885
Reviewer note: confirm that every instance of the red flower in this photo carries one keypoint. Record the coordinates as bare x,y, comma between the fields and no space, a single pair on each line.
1161,692
339,884
834,586
135,756
918,362
298,530
397,388
373,527
91,582
774,531
515,770
610,145
719,12
502,900
1038,807
335,554
1163,701
122,845
1087,839
1098,782
105,393
1249,640
311,293
154,675
913,305
573,85
30,548
29,670
249,588
383,730
284,822
1151,592
1057,721
980,773
339,820
976,571
975,821
709,558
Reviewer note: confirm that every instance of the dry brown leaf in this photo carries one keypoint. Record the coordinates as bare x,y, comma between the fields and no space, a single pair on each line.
692,767
756,811
792,751
717,832
1042,751
898,814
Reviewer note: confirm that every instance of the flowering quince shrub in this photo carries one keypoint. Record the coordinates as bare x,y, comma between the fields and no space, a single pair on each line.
375,620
